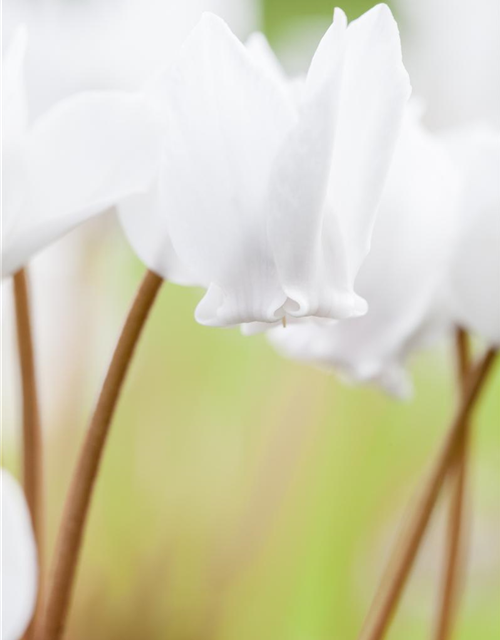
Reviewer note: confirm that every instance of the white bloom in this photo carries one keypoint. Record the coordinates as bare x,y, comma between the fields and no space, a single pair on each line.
19,573
474,285
452,51
402,278
106,44
80,157
268,204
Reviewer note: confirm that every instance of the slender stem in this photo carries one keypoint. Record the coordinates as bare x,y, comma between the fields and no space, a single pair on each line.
462,345
386,602
80,492
32,434
458,477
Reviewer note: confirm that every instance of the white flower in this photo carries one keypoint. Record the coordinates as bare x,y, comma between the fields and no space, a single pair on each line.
268,204
106,44
19,573
402,278
452,52
76,160
474,285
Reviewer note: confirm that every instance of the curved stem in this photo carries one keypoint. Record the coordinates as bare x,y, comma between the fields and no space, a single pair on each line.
32,434
458,477
386,602
80,492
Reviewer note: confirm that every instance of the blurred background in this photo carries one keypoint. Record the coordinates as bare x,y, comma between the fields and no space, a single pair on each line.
242,496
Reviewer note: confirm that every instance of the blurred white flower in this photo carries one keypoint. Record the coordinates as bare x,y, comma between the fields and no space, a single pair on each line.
452,52
268,204
402,277
475,269
80,157
19,573
107,44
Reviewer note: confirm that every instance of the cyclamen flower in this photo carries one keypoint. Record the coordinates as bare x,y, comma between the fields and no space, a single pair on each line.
269,204
452,51
474,274
19,572
83,155
106,44
403,277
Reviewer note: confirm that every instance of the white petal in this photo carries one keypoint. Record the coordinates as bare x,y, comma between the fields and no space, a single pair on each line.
331,172
260,50
145,224
84,155
475,270
227,119
299,186
375,90
14,108
19,573
14,122
401,278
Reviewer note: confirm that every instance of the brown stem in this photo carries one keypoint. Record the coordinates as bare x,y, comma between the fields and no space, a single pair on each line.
80,492
386,602
32,434
458,478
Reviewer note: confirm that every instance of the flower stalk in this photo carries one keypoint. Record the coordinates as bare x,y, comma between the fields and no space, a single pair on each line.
78,499
387,600
458,478
32,434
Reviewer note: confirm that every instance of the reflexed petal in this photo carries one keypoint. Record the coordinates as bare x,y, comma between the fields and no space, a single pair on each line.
260,50
14,122
375,90
227,120
19,573
299,186
14,109
145,224
475,269
83,156
331,172
401,278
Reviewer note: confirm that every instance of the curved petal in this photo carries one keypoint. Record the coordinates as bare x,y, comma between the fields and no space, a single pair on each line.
84,155
330,174
14,122
474,285
401,277
300,180
226,121
260,50
375,90
19,571
14,106
145,225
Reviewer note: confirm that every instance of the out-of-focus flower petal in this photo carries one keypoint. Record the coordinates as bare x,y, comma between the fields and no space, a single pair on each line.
83,156
19,572
474,285
14,122
402,278
260,50
107,44
452,51
145,224
14,109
